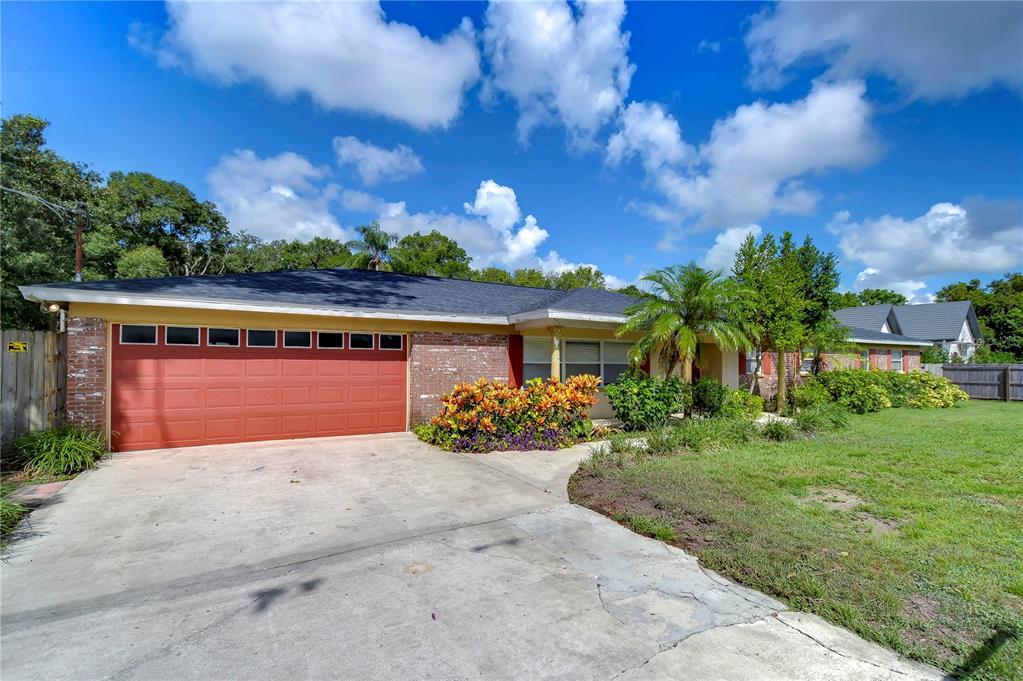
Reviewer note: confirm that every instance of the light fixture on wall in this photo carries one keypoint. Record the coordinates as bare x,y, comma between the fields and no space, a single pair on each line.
53,307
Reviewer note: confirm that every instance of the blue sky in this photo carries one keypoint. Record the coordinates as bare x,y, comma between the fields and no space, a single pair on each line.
552,135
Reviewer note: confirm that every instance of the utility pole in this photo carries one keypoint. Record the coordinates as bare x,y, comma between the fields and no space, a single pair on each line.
82,220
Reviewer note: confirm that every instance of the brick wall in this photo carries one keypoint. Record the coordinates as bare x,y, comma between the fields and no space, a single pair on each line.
86,372
438,361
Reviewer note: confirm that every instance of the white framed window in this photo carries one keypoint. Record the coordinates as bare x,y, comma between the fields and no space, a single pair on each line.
391,341
615,360
298,339
360,341
330,340
536,357
896,360
751,363
181,335
806,361
261,338
138,334
224,338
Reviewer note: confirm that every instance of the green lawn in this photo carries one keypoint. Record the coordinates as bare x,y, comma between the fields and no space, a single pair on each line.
906,528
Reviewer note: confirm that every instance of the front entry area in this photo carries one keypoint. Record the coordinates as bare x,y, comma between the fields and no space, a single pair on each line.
177,386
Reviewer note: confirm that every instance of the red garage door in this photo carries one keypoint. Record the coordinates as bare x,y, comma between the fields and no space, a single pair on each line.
181,386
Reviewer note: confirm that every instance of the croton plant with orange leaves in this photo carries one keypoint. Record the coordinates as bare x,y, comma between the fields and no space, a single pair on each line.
485,410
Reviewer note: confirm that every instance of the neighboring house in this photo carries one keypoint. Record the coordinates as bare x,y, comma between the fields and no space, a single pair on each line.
202,360
951,326
876,341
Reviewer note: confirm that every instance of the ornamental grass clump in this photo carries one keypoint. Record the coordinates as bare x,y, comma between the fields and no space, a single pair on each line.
488,415
63,450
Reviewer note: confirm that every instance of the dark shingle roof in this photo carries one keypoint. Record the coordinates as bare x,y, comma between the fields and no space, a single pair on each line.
871,335
936,321
864,316
364,289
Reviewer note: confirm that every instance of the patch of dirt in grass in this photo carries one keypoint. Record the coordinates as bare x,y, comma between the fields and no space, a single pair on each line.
610,498
879,525
925,628
834,498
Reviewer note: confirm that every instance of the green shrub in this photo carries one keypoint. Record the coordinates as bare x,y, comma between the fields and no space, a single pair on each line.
741,404
778,431
647,525
985,355
10,512
821,418
60,451
898,385
733,431
810,394
934,355
858,390
663,440
640,401
930,391
709,397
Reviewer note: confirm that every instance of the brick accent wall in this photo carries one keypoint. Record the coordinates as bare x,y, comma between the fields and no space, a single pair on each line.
438,361
87,372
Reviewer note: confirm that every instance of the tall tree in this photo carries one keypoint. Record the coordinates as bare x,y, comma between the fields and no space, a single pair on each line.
999,308
531,276
372,250
144,210
819,280
38,244
771,276
580,277
432,254
847,299
877,296
684,303
494,275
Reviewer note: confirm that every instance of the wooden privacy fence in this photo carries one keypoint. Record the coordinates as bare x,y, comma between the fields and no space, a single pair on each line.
32,382
987,381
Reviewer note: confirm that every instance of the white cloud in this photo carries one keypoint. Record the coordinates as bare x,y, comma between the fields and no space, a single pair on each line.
374,163
977,236
652,134
756,159
709,46
281,197
932,50
559,63
721,255
345,55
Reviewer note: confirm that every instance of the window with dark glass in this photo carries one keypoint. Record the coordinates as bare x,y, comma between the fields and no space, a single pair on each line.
360,341
138,334
182,335
330,340
222,337
616,361
582,357
298,339
261,338
390,341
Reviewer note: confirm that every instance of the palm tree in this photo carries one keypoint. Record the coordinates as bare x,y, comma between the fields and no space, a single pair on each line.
685,302
371,252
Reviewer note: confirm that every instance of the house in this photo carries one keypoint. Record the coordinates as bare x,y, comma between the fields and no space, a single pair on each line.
951,326
876,341
200,360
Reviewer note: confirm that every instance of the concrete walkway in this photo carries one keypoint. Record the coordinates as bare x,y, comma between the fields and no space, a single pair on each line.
378,557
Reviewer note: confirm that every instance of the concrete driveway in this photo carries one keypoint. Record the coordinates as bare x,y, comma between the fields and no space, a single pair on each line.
379,557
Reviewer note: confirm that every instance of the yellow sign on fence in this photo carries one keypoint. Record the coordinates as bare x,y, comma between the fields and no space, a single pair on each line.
17,346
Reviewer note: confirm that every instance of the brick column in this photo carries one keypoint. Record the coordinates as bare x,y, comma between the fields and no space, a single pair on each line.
439,361
87,372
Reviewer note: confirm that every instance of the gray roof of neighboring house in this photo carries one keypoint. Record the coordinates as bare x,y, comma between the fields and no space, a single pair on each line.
930,321
358,289
865,316
937,321
886,338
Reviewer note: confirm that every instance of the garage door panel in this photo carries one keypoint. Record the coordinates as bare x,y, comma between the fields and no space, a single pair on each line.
167,396
262,396
223,397
297,425
262,367
182,368
224,428
182,398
